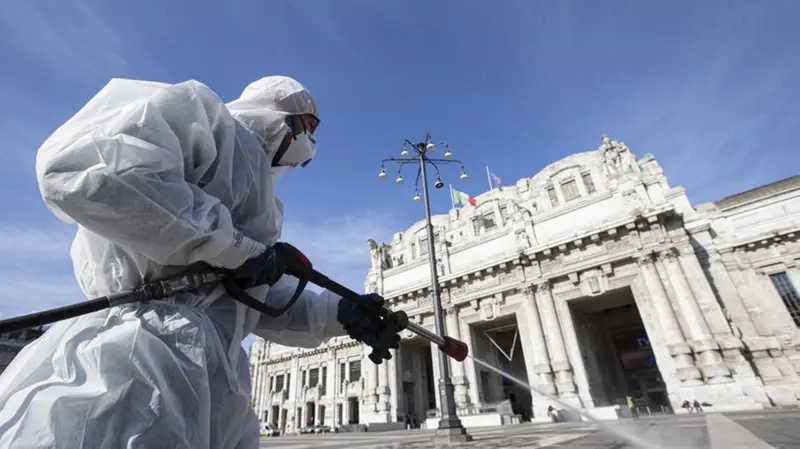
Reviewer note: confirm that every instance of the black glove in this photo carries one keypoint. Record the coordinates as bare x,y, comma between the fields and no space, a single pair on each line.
362,324
266,268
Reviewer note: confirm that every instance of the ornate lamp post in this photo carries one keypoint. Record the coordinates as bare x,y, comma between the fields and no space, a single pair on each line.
417,153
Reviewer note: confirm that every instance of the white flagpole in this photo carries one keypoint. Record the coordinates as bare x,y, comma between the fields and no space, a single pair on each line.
452,202
489,178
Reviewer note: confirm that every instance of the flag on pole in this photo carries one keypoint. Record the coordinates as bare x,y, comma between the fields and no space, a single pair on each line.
460,198
494,181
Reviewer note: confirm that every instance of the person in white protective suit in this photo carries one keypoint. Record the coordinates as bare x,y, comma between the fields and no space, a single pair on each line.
158,177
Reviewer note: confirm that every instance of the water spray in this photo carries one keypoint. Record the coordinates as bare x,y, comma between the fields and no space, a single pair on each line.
621,433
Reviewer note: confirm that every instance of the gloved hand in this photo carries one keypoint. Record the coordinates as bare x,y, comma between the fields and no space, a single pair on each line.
361,325
266,268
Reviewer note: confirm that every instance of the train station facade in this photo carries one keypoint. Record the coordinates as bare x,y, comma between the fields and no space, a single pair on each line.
593,280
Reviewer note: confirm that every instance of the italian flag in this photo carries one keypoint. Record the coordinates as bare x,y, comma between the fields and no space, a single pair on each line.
461,198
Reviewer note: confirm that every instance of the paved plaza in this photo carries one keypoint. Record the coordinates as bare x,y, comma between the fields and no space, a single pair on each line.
763,430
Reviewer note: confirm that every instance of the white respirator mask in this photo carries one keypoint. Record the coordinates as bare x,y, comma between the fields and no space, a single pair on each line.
301,150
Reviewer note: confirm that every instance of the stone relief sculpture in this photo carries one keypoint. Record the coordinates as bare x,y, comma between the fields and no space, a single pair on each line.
633,200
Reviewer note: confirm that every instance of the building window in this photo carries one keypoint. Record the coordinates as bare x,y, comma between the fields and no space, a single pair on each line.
279,383
504,212
551,192
788,294
355,370
313,377
570,190
423,246
413,250
342,376
489,222
323,385
589,183
476,225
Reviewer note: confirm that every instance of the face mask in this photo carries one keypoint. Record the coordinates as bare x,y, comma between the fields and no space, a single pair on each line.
301,150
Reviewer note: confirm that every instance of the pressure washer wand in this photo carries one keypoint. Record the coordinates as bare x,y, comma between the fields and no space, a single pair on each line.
296,264
451,347
188,282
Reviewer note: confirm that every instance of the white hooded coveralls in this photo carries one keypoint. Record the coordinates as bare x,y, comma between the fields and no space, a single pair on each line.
158,177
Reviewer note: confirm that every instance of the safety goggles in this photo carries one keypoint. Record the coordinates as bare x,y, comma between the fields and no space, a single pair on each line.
299,124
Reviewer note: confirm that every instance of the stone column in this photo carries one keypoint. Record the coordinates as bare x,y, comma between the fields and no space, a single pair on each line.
706,300
531,333
534,347
266,393
255,380
383,392
565,382
453,329
255,386
395,389
703,344
294,381
469,364
370,384
721,270
685,368
332,386
435,354
559,194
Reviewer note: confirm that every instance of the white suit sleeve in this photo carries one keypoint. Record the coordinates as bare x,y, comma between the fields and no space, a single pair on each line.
127,168
310,322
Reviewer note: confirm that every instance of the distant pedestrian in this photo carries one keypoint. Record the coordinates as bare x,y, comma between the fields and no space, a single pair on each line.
632,407
697,406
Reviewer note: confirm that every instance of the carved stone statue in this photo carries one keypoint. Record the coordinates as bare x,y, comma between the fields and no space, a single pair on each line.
386,258
617,158
522,218
375,254
371,285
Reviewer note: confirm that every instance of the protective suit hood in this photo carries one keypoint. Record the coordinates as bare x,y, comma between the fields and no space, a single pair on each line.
264,105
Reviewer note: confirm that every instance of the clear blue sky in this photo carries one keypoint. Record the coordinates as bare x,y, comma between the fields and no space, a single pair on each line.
711,88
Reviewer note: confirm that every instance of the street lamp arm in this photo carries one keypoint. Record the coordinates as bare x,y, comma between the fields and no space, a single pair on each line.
444,161
400,162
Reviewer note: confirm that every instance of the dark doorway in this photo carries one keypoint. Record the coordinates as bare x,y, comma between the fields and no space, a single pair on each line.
352,411
616,350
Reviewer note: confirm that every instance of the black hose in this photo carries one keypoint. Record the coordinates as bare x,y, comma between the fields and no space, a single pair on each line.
53,315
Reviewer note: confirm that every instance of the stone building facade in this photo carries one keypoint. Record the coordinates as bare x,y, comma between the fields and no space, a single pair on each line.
12,343
592,280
